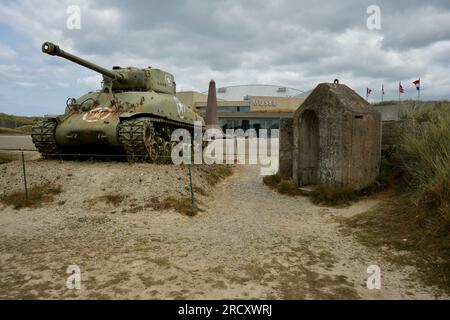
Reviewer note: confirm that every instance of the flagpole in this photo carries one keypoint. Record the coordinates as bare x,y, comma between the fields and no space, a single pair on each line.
382,92
399,84
418,92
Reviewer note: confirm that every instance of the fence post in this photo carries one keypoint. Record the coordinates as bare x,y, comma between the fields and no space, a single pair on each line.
24,176
191,188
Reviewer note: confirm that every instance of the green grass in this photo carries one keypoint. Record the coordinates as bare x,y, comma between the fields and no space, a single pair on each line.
394,102
417,217
427,112
425,160
19,120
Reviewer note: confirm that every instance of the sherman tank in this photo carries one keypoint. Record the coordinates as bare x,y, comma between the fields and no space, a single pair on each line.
133,114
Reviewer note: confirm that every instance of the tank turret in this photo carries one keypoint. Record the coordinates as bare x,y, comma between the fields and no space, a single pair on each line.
130,78
135,121
54,50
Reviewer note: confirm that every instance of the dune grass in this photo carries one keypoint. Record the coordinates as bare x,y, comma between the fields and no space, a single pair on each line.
272,181
38,195
181,205
425,160
332,195
216,173
19,120
417,217
286,187
427,112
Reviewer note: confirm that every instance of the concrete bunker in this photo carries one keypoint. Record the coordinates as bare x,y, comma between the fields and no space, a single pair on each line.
308,151
334,138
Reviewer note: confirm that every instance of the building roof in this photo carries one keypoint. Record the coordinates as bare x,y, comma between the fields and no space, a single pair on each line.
338,95
238,93
303,95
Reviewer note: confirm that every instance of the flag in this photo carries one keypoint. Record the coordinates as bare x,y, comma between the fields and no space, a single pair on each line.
368,91
417,84
400,88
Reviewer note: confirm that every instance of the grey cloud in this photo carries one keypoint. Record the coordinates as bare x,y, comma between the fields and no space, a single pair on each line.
295,43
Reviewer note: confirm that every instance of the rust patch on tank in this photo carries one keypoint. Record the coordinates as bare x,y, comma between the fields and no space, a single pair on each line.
97,114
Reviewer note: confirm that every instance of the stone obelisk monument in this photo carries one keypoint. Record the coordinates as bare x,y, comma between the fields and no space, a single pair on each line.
212,120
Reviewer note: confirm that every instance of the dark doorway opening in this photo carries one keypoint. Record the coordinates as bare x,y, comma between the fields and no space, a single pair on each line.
309,149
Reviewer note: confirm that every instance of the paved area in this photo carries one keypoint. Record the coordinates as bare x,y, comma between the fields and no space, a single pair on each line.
16,142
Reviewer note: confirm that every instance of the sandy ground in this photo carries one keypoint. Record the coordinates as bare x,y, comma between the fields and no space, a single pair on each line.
249,242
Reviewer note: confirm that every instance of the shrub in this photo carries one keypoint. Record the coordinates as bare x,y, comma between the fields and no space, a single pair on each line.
37,196
332,195
216,173
182,205
112,198
272,181
288,187
425,158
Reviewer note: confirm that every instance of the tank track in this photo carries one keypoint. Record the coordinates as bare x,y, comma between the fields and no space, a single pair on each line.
148,138
43,137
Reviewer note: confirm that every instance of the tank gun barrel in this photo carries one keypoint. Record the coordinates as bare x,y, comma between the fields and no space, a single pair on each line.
54,50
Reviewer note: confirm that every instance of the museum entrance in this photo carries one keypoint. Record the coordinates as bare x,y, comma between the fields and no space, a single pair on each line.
250,123
308,148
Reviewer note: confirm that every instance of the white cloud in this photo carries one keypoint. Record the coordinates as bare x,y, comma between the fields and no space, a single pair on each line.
25,84
7,53
92,82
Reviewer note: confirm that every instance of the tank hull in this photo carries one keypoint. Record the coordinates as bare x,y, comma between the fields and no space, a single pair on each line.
94,126
134,113
77,131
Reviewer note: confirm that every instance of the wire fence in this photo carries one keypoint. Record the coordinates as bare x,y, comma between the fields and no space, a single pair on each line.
230,154
161,159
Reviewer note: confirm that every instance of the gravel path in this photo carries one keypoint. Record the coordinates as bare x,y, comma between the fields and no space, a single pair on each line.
248,242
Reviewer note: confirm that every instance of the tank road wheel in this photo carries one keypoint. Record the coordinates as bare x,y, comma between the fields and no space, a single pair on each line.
137,137
43,136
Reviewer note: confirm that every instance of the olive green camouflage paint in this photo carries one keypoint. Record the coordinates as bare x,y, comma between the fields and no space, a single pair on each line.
93,119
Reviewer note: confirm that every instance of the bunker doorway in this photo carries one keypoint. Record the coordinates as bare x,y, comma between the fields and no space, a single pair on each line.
309,149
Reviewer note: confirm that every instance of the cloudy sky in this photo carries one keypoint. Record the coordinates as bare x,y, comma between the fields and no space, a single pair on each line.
291,43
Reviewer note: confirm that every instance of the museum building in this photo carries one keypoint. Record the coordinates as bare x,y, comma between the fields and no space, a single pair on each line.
249,106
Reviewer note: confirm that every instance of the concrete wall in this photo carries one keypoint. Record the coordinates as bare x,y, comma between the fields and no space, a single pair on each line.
349,139
286,146
393,131
364,166
343,160
190,98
